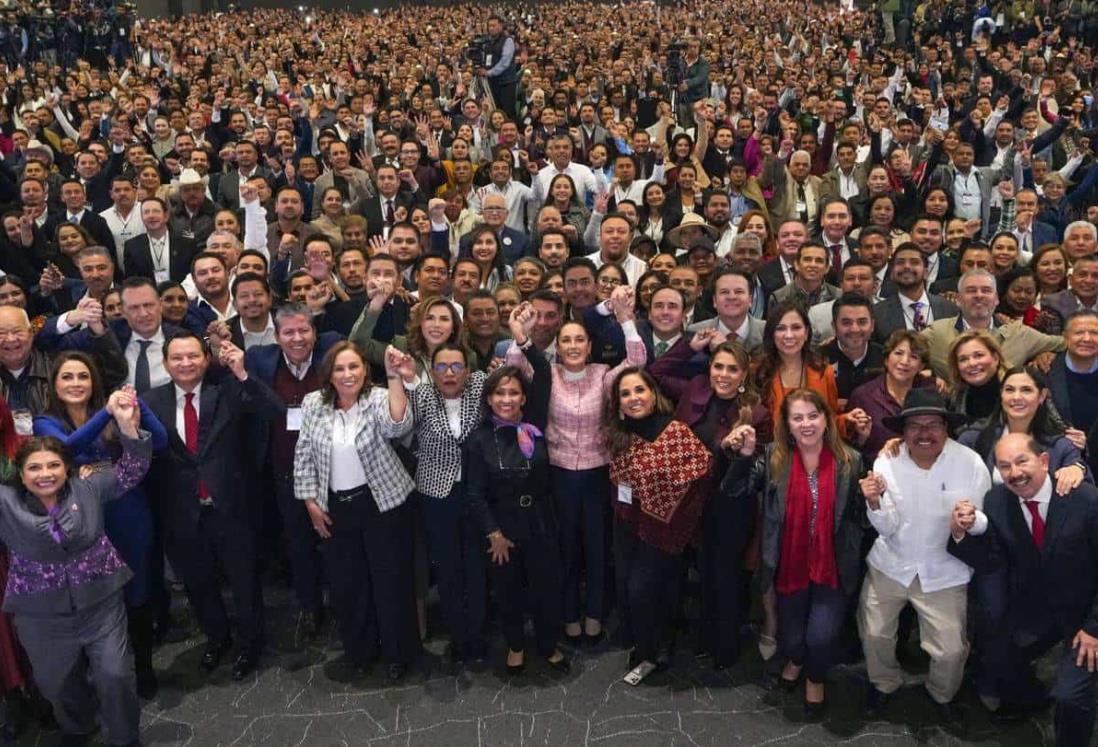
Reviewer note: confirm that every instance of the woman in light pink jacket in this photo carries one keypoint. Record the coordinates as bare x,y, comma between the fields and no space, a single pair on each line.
578,455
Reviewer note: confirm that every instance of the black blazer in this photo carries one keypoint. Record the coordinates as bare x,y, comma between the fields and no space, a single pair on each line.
888,314
139,261
1061,398
222,447
1058,585
370,209
771,277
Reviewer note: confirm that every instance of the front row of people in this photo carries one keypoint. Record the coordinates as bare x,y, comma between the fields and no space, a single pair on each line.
677,480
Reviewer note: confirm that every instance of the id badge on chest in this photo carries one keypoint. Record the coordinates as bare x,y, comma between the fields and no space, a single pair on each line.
162,276
625,494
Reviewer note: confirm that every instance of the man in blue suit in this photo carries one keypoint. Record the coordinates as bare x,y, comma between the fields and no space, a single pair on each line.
290,368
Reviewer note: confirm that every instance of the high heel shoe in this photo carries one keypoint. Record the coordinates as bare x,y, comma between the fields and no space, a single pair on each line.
768,646
561,665
815,711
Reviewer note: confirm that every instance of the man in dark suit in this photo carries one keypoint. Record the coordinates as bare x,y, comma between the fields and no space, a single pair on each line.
290,368
974,255
79,212
1035,553
96,178
198,481
247,166
1073,378
911,306
391,204
159,253
779,271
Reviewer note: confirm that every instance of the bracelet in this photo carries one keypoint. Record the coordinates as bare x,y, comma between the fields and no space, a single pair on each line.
525,345
392,376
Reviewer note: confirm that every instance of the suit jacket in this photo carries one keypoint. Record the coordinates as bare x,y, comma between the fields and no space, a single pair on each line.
1064,303
228,189
262,361
221,459
514,243
1020,343
783,202
830,185
359,187
1057,585
755,329
1058,388
888,314
370,208
988,177
771,277
139,262
828,292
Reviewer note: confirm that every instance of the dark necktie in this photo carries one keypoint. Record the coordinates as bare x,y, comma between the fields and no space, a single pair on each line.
837,258
918,318
802,199
1037,524
190,428
390,216
142,379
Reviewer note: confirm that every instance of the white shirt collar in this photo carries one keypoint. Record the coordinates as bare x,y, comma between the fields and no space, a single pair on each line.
1044,495
298,370
180,395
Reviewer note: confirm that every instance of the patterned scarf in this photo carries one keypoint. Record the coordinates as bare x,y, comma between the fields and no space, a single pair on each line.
807,547
525,433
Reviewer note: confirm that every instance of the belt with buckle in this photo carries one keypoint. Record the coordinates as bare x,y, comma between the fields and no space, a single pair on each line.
525,501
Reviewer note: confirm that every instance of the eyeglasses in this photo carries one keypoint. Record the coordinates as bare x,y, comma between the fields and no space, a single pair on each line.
609,281
578,282
455,367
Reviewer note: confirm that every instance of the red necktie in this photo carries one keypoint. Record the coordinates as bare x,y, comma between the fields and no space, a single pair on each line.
837,258
190,428
1037,524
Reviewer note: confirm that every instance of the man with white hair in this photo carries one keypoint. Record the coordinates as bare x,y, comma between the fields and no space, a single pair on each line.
796,190
978,298
1080,240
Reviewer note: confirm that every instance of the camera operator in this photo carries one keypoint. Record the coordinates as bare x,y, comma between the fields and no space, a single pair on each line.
695,86
500,68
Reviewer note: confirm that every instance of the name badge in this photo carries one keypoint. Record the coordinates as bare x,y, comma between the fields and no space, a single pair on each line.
801,207
293,418
625,494
162,276
24,422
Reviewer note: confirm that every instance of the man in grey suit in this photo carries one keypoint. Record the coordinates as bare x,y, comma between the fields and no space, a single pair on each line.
247,166
911,307
809,278
858,277
970,186
354,183
731,290
1083,293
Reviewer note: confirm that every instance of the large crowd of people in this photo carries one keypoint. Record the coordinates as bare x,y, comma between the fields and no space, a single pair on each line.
554,307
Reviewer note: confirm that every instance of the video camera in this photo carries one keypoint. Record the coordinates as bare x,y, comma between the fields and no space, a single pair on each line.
477,50
676,65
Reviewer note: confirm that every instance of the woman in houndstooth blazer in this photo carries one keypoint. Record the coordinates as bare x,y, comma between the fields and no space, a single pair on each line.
356,492
447,407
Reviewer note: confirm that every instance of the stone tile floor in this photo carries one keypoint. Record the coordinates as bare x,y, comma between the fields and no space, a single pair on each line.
307,697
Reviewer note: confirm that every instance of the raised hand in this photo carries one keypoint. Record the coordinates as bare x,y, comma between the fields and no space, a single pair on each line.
232,358
521,322
622,301
873,486
741,439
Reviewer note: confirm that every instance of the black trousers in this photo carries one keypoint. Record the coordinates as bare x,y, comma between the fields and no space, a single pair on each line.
504,95
726,528
648,582
1007,656
458,551
531,577
369,559
303,545
196,551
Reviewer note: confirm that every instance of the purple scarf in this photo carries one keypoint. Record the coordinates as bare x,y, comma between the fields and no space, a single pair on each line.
525,433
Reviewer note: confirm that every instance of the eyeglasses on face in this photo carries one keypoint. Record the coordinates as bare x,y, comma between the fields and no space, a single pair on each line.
455,367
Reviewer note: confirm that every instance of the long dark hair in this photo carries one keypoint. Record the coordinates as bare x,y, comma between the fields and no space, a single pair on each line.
769,362
618,439
1047,426
327,391
497,263
96,400
40,443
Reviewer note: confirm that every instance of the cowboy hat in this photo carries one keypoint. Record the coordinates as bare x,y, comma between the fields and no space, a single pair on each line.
691,220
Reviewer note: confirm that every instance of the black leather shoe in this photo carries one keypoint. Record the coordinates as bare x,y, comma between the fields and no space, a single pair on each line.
593,640
948,713
396,672
213,655
244,665
312,623
876,702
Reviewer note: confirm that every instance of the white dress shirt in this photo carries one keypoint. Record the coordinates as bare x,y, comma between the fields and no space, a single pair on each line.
123,229
633,266
1043,499
264,337
582,177
347,472
913,518
158,375
909,310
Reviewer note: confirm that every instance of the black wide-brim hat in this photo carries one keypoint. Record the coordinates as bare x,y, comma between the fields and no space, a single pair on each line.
924,401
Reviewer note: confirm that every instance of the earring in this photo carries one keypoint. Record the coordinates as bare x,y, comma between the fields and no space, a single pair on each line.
742,389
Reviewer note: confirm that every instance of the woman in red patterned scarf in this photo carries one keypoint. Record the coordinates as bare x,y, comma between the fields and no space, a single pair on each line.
811,532
658,468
